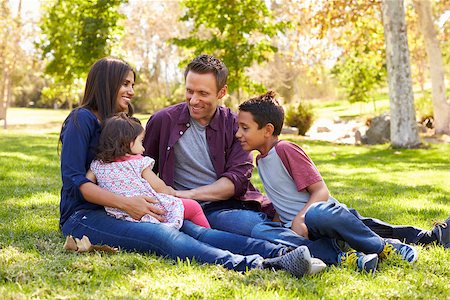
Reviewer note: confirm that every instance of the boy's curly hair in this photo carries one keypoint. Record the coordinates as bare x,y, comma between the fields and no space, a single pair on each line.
117,134
265,109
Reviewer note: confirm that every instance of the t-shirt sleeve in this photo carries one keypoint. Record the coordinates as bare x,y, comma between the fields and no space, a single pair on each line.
298,164
94,166
147,162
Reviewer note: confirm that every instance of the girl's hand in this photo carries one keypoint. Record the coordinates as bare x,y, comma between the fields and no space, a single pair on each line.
138,206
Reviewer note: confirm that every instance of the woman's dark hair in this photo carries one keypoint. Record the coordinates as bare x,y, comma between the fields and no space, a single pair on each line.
103,82
118,133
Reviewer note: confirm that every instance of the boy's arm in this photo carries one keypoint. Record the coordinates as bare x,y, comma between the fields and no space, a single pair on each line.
319,193
157,183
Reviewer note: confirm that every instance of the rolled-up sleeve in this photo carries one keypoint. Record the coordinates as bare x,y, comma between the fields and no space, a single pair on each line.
238,168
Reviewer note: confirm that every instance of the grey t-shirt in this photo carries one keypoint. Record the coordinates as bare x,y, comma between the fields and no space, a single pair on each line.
193,164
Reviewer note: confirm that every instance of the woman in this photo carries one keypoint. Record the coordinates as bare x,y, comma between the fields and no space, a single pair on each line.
109,89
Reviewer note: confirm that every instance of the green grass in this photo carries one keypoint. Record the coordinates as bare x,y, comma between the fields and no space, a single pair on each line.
398,186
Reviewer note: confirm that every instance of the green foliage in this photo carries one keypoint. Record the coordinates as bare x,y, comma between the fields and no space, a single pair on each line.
362,67
378,181
236,31
300,116
75,34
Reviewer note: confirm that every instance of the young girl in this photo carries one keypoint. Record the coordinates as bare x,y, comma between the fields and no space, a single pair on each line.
120,168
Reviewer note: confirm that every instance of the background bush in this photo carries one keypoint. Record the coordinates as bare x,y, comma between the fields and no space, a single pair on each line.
300,116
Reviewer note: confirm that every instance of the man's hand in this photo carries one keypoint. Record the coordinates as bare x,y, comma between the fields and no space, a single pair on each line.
138,206
186,194
299,226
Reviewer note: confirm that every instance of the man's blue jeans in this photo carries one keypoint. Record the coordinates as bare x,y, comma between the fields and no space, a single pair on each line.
257,225
191,241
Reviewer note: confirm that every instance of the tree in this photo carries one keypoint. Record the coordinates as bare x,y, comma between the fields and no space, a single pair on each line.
154,55
76,34
236,31
9,48
441,108
355,27
404,132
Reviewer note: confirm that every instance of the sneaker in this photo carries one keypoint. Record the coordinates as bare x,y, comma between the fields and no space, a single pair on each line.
442,232
408,252
317,266
363,262
296,262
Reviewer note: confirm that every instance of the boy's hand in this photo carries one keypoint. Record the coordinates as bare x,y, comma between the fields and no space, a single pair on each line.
299,227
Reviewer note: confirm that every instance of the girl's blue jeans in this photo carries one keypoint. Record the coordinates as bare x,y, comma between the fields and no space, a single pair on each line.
191,241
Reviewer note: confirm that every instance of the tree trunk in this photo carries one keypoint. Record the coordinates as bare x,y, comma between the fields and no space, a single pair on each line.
441,108
404,133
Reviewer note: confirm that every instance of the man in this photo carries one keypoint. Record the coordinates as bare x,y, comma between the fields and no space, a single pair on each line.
197,153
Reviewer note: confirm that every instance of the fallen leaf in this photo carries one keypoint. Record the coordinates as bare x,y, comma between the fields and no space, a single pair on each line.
85,245
70,244
105,248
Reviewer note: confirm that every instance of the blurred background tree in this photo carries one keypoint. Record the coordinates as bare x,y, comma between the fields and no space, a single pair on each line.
74,35
238,32
305,50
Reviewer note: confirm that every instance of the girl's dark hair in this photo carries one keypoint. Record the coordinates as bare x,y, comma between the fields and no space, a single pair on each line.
103,82
265,109
118,133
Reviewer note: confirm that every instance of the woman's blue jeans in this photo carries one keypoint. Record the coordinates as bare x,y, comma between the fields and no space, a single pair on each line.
191,241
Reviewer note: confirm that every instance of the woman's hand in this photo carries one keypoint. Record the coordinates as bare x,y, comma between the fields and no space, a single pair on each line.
138,206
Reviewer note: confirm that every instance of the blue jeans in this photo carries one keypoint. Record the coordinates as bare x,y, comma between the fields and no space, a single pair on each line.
407,234
191,241
363,234
257,225
334,220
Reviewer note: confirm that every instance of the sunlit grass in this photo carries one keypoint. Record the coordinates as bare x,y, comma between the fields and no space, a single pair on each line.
398,186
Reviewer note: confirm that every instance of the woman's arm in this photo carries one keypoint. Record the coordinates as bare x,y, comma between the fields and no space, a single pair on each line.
136,206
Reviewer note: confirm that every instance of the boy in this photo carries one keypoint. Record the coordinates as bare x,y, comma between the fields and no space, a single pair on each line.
295,186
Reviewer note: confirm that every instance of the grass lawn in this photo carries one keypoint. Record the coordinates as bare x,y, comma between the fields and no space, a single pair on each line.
398,186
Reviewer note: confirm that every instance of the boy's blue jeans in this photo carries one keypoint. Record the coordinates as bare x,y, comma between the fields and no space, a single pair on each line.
191,241
326,221
362,234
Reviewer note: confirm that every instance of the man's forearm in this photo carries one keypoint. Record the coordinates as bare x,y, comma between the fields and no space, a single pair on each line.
222,189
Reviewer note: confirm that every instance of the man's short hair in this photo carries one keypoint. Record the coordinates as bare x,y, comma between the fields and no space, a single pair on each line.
205,64
265,109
